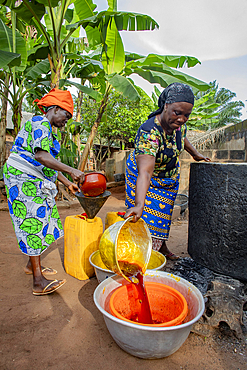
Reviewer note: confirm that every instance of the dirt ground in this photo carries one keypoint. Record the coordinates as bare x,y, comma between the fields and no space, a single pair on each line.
65,330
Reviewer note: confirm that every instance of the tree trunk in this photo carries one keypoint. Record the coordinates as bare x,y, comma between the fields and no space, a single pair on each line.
56,70
56,66
77,140
3,125
16,118
93,132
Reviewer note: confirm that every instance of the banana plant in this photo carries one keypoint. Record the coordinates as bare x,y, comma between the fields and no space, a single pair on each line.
57,23
103,32
203,113
118,66
19,55
109,65
13,61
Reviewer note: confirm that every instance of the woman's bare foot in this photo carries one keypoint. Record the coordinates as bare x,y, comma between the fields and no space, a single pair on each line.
169,255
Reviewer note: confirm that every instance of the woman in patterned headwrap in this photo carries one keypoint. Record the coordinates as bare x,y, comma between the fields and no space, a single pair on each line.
152,173
29,175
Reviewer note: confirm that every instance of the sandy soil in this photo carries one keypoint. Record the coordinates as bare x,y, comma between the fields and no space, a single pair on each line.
65,330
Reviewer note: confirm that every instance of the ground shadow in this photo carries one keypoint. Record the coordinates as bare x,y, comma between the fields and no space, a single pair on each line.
85,298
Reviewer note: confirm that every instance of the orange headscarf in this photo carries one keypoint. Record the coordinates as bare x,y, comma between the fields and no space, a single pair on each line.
61,98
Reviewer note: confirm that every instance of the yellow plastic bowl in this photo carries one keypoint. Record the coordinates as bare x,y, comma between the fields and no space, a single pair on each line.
157,262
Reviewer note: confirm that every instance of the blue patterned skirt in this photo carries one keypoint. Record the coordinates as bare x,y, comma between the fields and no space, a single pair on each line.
159,200
36,223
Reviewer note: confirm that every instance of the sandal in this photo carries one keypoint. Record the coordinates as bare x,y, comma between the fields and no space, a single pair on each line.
171,256
45,270
46,291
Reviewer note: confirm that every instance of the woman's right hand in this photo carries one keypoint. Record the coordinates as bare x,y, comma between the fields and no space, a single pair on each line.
136,212
77,175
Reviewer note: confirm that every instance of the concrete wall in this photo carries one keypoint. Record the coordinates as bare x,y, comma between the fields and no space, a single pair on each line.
120,160
232,149
216,155
238,144
25,117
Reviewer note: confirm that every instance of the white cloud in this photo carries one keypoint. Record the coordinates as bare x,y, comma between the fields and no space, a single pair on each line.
206,29
214,31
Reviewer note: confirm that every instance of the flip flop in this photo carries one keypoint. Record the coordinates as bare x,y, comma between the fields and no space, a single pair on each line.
45,270
45,291
171,256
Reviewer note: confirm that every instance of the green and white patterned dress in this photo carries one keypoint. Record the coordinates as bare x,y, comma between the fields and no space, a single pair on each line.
33,212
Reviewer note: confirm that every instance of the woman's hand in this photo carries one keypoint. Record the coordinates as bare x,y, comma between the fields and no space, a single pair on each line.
70,185
194,153
77,175
47,160
199,157
73,188
136,212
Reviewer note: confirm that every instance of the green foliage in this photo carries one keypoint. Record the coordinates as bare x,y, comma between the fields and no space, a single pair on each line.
8,58
203,115
121,119
58,52
212,108
216,108
69,152
13,42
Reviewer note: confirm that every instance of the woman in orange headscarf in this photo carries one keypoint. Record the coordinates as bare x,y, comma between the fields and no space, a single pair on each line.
29,175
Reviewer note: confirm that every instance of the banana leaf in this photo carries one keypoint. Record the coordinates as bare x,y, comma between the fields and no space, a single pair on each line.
40,68
8,58
6,38
87,90
113,56
123,85
174,61
169,76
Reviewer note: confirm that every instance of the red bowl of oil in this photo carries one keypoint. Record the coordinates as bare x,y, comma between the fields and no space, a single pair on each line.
94,184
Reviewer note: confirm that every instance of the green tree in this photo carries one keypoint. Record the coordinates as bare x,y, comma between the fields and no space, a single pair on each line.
109,66
225,110
58,26
124,116
120,121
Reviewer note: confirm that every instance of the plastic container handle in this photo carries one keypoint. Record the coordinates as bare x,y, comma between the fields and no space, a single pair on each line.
121,214
82,217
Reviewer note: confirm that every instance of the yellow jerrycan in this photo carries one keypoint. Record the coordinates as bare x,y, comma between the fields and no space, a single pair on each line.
81,238
112,217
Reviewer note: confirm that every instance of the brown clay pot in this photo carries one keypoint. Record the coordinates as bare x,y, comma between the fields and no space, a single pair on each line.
94,184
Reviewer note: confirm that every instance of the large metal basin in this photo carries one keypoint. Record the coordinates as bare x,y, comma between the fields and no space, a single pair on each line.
144,341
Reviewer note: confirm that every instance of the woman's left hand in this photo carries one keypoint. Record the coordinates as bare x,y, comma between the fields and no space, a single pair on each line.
73,188
199,157
194,153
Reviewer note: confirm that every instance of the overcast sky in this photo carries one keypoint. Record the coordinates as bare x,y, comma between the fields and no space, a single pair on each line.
214,31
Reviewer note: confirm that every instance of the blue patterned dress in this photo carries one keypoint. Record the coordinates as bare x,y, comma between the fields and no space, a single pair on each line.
35,218
152,140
